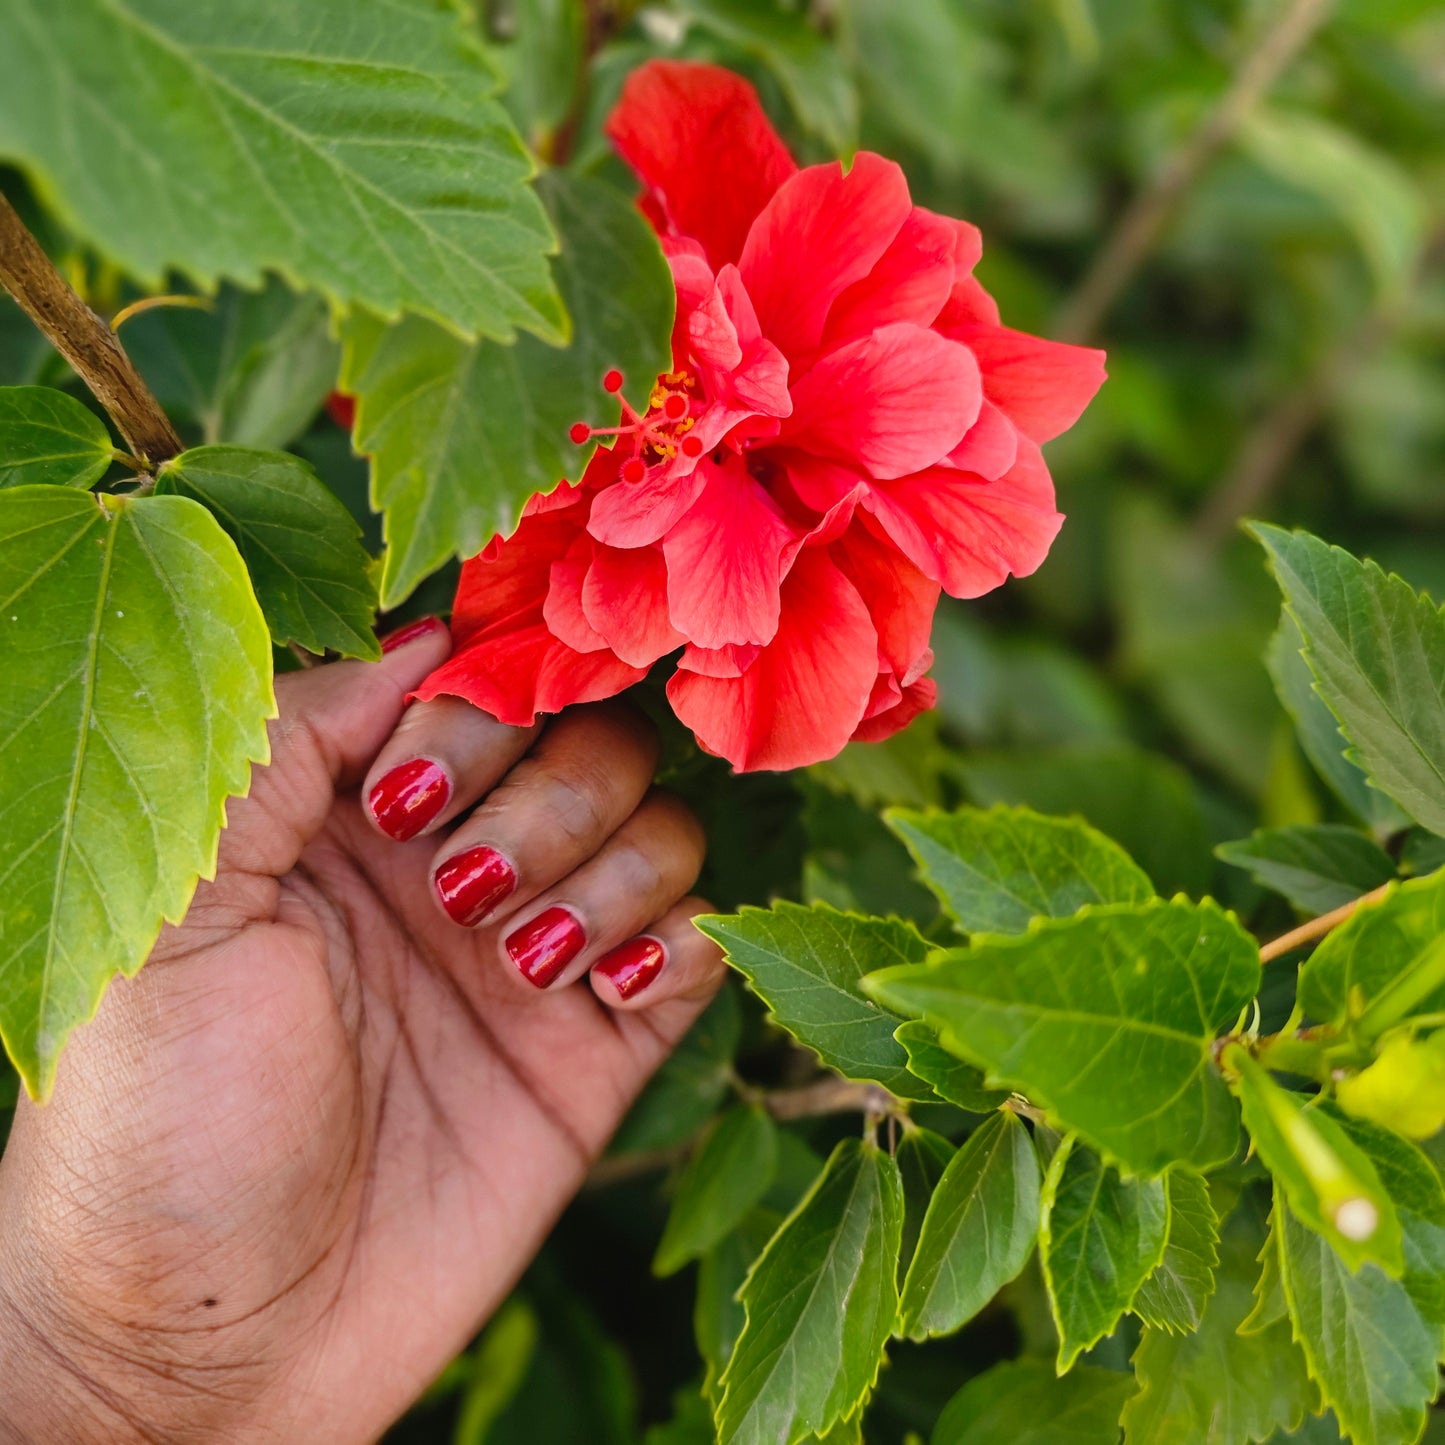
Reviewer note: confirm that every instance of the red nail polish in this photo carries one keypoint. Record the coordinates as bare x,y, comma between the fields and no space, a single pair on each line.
420,628
471,884
632,966
542,948
408,798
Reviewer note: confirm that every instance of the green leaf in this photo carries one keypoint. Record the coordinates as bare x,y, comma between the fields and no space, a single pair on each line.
497,1368
1372,1355
1100,1238
138,688
806,963
1108,1019
1217,1384
922,1158
541,45
246,367
1368,189
1383,956
810,70
717,1315
461,435
300,544
1143,802
1175,1296
1404,1089
353,149
950,1077
1377,650
979,1231
49,439
820,1304
1319,732
731,1170
1317,867
1331,1186
996,871
1024,1403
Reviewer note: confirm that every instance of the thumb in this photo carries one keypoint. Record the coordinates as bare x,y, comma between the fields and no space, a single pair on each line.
331,723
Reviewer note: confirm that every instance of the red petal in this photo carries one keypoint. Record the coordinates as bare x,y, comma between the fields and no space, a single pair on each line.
1042,386
625,599
967,533
725,561
991,446
563,610
968,305
911,281
820,234
699,140
636,514
917,697
893,403
899,598
806,692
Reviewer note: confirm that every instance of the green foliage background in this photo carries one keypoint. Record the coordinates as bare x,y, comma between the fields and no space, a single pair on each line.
1279,352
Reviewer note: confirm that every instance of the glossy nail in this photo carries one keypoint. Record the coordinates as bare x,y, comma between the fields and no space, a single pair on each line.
409,797
413,630
543,947
631,967
471,884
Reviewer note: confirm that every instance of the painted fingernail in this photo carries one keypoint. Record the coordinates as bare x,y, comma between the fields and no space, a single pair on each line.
409,797
422,627
471,884
543,947
630,968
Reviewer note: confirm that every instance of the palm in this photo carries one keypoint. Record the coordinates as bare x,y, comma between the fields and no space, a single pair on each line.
346,1128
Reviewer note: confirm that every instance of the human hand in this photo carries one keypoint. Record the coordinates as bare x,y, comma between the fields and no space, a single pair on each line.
293,1165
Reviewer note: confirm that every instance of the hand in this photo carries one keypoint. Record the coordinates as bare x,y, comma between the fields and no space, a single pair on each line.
294,1163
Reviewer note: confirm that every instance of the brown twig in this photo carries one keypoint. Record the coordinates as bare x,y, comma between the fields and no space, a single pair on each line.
84,340
1316,927
1138,228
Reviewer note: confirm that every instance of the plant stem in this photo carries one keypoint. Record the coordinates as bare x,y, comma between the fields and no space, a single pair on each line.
1143,219
84,340
1316,927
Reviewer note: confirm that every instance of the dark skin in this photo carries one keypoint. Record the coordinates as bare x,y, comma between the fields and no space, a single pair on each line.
296,1162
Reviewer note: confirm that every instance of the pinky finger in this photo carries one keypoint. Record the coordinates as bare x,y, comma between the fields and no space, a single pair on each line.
672,960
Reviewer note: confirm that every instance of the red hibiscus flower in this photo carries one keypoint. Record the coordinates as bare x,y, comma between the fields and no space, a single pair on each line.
846,431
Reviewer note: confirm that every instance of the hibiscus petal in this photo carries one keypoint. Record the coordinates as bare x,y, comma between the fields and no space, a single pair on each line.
899,598
699,140
805,693
725,561
1042,386
822,232
728,661
968,305
967,533
991,446
637,514
562,610
911,282
893,403
624,598
917,697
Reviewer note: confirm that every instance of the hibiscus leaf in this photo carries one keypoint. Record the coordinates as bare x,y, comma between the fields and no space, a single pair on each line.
806,963
249,367
138,672
1383,951
49,439
979,1231
355,149
1108,1019
922,1157
1100,1237
461,435
1369,1349
1317,867
820,1304
1377,650
1330,1184
730,1172
952,1079
1174,1297
1216,1384
996,871
300,544
1024,1403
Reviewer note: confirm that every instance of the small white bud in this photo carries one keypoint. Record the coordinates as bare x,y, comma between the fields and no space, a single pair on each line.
1357,1219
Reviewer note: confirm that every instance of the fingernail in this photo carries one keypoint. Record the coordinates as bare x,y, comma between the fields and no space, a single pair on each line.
542,948
472,883
409,797
420,628
630,968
